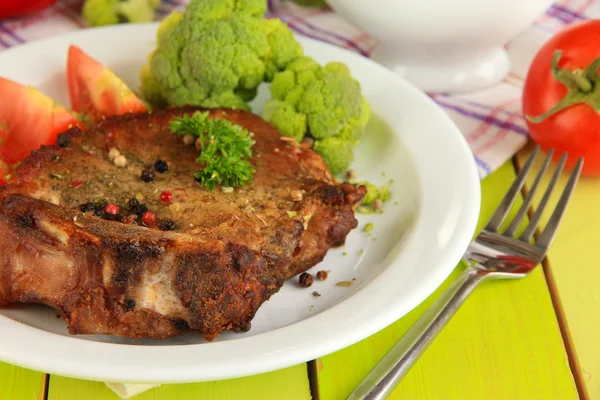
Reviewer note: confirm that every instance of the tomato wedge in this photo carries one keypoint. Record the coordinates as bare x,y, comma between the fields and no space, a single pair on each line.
28,120
4,170
95,90
13,9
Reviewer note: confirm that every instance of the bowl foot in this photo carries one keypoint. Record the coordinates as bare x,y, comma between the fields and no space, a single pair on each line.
466,73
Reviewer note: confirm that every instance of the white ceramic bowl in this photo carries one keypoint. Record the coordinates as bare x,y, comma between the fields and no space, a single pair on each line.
443,45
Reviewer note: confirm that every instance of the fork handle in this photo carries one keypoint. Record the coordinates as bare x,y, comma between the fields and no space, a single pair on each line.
387,373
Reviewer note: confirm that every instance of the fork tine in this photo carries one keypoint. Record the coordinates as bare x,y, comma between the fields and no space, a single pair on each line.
502,211
535,220
516,222
550,230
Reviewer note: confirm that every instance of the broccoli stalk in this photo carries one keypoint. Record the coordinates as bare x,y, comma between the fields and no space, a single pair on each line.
109,12
324,102
217,54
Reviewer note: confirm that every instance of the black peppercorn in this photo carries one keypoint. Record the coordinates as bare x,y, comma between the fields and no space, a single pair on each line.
161,166
100,204
100,213
147,175
133,203
322,275
130,304
63,140
166,224
87,207
306,279
140,210
243,328
111,217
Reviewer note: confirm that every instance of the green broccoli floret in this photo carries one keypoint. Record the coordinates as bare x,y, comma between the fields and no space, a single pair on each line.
283,48
109,12
384,193
372,193
218,53
374,198
324,102
150,88
167,25
289,120
338,153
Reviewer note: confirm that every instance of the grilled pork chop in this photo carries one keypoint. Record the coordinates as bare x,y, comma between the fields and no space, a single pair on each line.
211,259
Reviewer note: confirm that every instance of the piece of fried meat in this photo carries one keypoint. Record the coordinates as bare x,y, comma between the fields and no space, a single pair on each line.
208,260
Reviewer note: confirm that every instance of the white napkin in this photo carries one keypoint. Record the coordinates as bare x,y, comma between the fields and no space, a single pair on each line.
128,390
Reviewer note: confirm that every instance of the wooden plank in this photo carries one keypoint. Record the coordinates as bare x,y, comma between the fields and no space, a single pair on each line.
573,272
20,383
289,383
504,343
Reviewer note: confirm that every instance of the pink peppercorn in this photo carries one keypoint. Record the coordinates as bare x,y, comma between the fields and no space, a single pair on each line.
149,218
112,209
166,197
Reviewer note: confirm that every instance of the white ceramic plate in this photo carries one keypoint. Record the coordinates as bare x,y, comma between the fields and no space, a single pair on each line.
416,243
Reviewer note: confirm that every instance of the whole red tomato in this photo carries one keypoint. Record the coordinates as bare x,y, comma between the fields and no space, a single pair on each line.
564,95
19,8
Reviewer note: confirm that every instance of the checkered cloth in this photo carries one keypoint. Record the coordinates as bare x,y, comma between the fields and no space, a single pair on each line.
491,119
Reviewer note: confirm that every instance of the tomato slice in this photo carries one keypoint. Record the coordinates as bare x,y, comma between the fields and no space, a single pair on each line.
28,120
95,90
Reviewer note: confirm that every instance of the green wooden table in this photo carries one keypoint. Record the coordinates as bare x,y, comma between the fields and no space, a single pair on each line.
536,338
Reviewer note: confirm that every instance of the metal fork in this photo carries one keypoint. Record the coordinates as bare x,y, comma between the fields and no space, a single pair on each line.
493,254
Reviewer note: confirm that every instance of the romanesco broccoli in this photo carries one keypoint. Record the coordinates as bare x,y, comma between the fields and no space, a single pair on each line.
150,88
217,54
337,152
324,102
282,49
372,193
109,12
167,25
374,198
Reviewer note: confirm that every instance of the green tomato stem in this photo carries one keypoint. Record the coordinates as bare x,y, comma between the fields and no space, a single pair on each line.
581,81
583,87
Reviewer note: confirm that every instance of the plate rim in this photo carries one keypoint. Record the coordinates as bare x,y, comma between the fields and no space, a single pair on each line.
273,361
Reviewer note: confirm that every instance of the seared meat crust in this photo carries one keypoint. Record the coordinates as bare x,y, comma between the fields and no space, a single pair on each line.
228,253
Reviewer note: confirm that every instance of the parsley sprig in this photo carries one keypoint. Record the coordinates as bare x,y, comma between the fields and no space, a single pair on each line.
225,149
